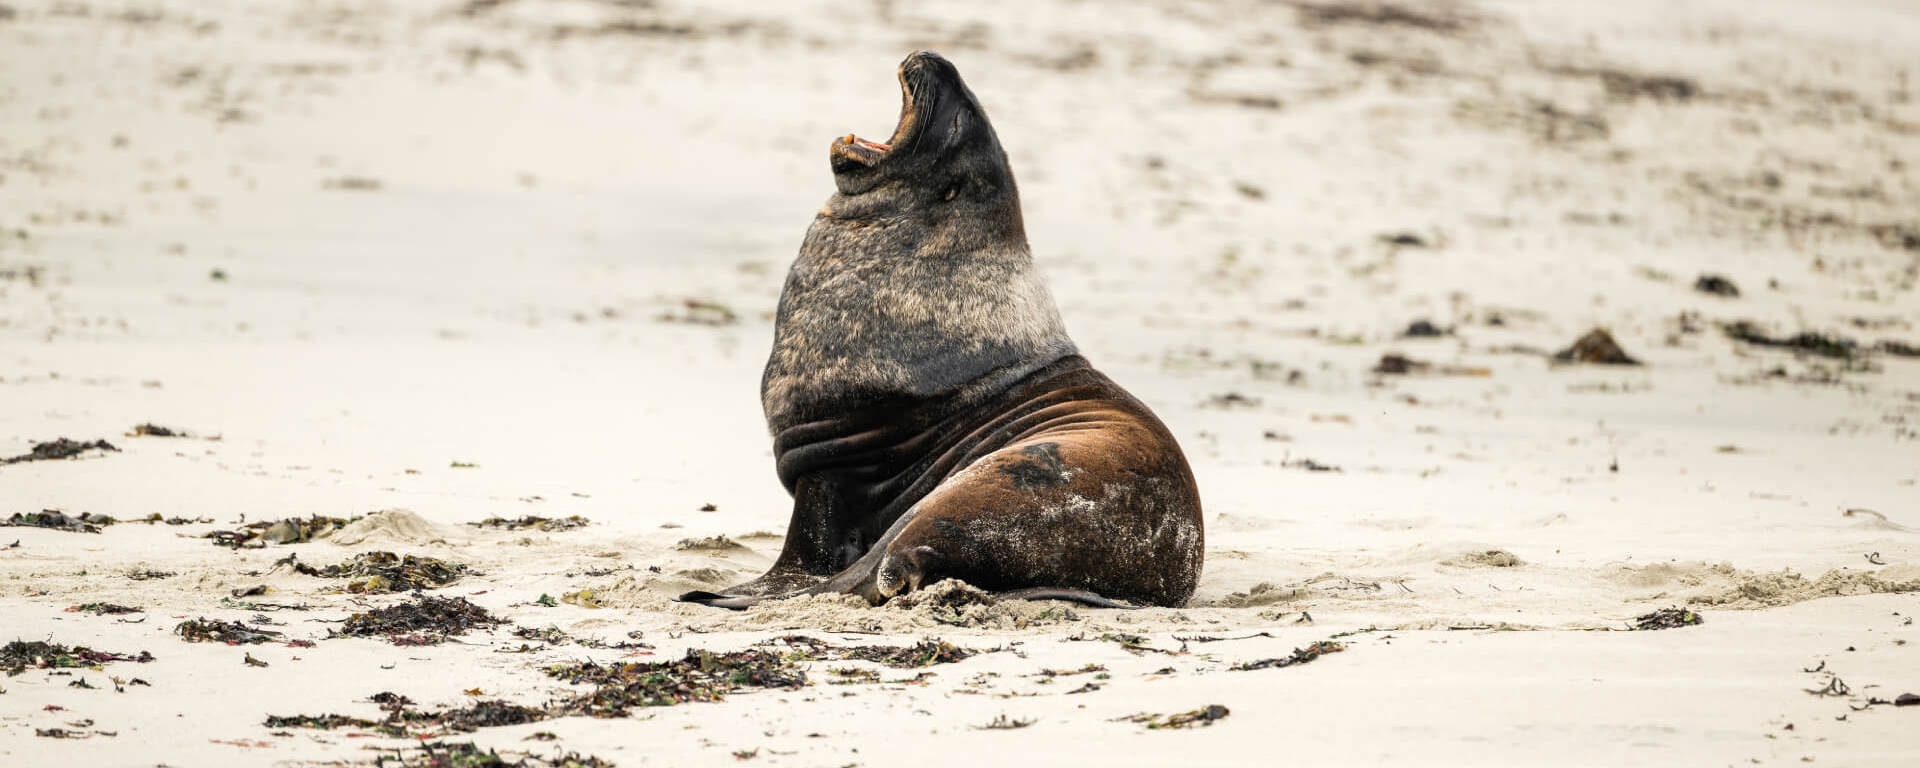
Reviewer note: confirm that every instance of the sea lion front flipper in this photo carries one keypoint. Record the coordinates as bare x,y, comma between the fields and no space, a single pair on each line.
1080,596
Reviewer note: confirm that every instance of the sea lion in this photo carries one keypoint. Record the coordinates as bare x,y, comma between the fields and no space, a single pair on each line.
930,415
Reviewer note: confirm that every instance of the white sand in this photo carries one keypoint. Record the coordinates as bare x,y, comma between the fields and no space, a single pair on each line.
451,238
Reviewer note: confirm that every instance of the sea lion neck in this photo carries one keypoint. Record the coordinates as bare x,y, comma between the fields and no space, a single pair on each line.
943,162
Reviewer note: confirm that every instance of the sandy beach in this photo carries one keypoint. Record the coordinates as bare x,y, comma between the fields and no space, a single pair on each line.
392,270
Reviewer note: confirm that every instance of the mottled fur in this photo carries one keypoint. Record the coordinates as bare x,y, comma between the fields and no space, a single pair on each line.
929,413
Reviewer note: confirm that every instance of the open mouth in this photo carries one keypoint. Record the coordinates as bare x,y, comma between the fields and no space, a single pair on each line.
871,152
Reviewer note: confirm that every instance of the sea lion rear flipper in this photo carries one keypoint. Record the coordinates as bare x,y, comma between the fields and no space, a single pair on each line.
717,600
1080,596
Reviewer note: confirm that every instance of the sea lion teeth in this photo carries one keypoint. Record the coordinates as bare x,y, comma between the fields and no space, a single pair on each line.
930,415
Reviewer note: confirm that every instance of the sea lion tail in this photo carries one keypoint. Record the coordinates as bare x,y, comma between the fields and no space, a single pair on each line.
1080,596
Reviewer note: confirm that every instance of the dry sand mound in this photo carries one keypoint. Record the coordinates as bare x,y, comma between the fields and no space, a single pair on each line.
400,526
1725,586
1746,589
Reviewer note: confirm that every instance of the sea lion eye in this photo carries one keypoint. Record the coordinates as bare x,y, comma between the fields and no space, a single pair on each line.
952,190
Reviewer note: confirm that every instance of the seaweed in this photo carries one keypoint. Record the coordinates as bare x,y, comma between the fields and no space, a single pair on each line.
151,429
65,733
525,522
156,518
289,531
710,543
551,635
1820,344
482,714
555,636
21,655
85,522
852,675
59,448
328,723
425,621
1300,656
1004,723
99,609
381,572
404,721
467,755
1134,644
1088,668
925,653
229,632
1667,618
1204,717
583,598
259,607
698,676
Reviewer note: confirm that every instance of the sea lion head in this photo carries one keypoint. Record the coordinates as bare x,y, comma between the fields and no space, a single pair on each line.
943,162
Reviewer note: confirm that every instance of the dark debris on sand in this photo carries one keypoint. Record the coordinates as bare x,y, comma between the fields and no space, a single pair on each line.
104,609
1717,285
1396,364
1424,329
1820,344
533,522
60,448
925,653
1004,723
425,621
1597,347
155,518
618,689
717,543
1667,618
1300,656
1134,644
382,572
21,655
1379,14
405,721
85,522
229,632
438,754
1203,717
699,676
292,530
552,635
151,429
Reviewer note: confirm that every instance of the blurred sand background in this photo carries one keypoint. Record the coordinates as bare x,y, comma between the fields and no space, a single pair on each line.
511,257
